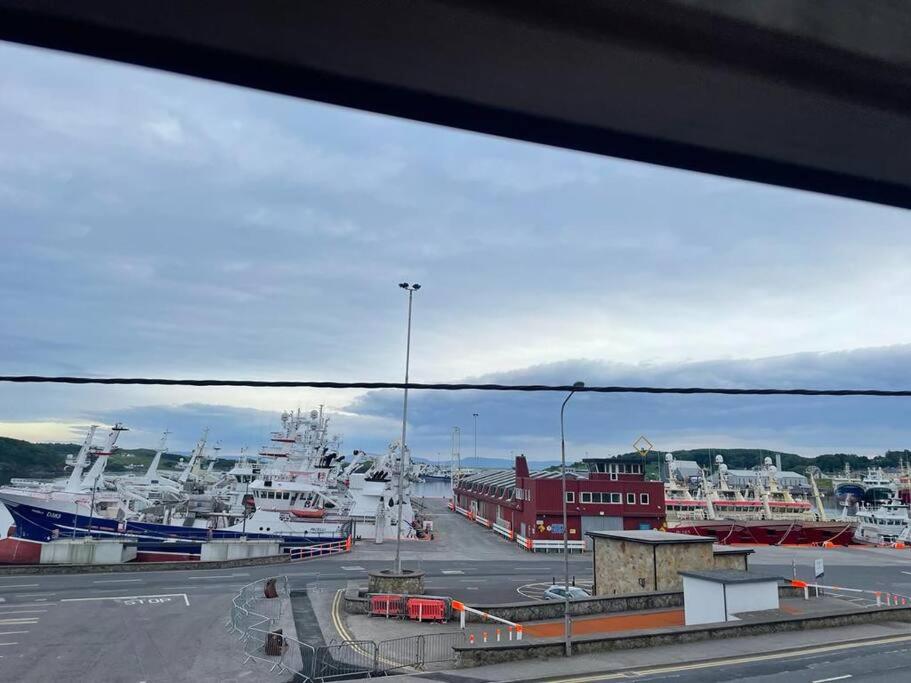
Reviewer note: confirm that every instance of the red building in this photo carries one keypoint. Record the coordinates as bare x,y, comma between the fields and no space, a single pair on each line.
526,506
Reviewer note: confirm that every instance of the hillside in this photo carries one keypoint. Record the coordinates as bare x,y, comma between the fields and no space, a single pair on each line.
23,459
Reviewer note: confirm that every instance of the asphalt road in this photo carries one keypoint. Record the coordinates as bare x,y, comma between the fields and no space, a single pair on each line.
168,625
885,662
157,626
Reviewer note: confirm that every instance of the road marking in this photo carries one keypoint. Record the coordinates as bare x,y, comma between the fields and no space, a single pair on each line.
471,588
834,678
25,611
31,595
353,568
229,576
132,597
908,573
19,585
27,621
9,643
728,662
9,633
118,581
452,571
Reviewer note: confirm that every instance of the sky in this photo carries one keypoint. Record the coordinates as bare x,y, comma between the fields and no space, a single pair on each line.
158,225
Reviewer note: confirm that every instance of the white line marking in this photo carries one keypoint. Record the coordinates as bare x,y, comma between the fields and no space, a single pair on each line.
19,622
471,588
19,585
31,595
353,568
197,578
834,678
118,581
9,643
452,571
24,611
908,573
132,597
9,633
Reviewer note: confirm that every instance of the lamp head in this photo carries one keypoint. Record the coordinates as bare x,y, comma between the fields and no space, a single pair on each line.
416,286
403,285
578,385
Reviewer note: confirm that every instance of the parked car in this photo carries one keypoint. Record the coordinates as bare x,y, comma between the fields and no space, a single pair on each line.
559,593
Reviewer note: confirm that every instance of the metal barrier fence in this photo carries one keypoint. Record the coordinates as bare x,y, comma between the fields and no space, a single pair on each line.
255,619
308,552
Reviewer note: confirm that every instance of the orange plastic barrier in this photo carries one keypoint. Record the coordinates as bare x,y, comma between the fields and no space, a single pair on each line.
387,605
426,609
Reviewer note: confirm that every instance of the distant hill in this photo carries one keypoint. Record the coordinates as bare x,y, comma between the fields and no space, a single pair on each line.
26,460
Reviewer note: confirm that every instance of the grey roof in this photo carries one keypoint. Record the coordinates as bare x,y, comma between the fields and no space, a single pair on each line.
507,478
728,550
731,576
650,536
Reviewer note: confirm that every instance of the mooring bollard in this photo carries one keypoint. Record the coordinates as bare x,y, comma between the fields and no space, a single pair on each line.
269,590
275,643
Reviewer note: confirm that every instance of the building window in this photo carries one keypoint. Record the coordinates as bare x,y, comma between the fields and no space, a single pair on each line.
570,497
643,499
613,476
587,497
630,498
614,498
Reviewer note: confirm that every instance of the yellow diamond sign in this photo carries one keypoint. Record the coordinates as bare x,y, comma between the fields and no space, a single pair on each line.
643,446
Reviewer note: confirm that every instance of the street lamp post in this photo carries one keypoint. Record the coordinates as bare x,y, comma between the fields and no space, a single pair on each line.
411,289
566,623
475,416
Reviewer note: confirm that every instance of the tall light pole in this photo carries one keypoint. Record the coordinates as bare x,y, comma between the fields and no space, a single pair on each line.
566,625
411,289
475,416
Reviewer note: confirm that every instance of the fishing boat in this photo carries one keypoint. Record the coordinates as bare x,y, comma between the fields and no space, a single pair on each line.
765,514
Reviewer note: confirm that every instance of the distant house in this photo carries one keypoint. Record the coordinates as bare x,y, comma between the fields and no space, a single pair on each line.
747,478
687,471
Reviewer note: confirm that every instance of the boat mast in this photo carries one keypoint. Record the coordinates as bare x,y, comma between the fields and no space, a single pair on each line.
153,467
101,460
73,483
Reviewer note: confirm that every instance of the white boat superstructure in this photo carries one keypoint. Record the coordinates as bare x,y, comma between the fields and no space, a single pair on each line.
889,523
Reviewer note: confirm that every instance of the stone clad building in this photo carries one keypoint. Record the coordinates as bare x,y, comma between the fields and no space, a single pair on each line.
628,562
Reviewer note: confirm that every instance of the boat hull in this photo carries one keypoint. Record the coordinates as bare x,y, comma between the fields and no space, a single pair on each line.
43,521
769,532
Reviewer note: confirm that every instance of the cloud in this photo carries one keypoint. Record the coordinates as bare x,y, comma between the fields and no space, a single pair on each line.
610,423
158,225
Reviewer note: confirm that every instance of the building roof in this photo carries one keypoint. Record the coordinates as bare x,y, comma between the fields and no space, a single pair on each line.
506,479
753,473
650,537
731,576
729,550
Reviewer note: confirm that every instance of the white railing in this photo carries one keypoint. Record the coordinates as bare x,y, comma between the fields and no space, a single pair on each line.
308,552
463,610
887,598
255,618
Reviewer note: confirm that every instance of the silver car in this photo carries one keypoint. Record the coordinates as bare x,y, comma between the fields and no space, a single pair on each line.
559,593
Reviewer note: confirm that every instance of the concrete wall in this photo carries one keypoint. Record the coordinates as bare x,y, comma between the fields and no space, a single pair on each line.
673,558
626,567
751,597
724,560
90,552
492,653
132,567
703,601
220,550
